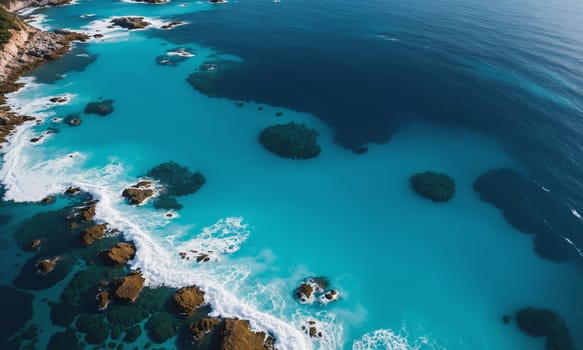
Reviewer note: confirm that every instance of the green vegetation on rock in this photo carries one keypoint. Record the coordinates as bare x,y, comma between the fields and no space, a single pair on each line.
7,22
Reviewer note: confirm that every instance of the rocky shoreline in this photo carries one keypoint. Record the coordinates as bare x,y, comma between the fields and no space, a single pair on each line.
26,49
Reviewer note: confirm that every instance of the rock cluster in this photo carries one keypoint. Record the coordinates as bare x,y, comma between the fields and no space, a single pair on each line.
139,192
545,323
315,290
130,22
291,140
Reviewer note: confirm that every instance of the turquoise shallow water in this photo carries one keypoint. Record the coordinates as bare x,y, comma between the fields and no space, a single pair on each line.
436,275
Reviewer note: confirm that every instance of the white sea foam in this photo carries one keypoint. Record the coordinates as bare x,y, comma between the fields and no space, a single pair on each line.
385,339
115,33
29,177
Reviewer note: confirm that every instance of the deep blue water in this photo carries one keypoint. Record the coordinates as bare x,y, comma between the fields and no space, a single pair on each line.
463,87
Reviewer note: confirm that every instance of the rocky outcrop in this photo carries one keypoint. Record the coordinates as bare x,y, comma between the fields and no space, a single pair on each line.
291,140
93,233
102,299
139,192
119,254
72,36
152,1
233,334
130,22
187,299
127,289
35,244
545,323
101,108
46,265
236,335
438,187
315,290
87,213
24,48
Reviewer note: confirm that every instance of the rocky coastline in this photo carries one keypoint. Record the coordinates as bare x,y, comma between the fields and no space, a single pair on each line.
24,49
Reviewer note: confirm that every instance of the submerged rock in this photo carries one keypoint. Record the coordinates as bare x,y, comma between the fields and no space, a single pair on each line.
119,254
532,209
167,202
101,108
128,289
545,323
161,327
291,140
73,120
93,233
203,326
96,330
177,180
187,299
438,187
130,22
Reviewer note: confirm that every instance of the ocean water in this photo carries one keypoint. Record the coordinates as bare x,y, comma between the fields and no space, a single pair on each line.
453,86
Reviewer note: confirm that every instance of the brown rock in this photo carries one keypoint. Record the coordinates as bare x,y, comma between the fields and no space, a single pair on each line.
203,258
203,326
143,184
331,294
72,36
71,191
236,335
137,195
128,288
93,233
35,244
130,22
120,253
97,36
304,291
87,213
188,299
102,300
47,265
48,200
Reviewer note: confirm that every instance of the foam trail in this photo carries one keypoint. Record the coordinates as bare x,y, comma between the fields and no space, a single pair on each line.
385,339
158,260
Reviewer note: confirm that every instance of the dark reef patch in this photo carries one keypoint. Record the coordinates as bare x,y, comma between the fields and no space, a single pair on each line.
76,60
101,108
162,326
438,187
533,210
291,140
16,309
177,181
64,340
545,323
